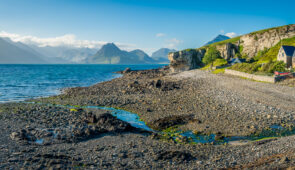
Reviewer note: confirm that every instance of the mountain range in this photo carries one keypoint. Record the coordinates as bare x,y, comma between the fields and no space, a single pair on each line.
111,54
65,55
19,53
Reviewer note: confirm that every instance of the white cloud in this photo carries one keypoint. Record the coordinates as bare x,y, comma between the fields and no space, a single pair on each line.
160,35
65,40
172,43
231,34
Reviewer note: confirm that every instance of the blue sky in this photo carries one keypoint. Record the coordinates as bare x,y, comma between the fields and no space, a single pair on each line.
143,24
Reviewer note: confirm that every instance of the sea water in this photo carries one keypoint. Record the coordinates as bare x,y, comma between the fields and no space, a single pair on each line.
21,82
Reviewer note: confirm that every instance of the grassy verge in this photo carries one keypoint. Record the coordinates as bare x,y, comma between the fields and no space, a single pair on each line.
219,71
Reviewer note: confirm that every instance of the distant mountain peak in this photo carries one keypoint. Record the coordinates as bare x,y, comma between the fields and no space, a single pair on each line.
110,46
217,39
161,55
111,54
137,50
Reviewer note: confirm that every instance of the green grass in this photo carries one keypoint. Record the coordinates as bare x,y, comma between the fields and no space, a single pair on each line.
246,67
232,40
217,62
241,48
255,80
218,71
257,68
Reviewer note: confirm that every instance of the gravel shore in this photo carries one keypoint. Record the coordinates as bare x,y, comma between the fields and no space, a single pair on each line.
194,100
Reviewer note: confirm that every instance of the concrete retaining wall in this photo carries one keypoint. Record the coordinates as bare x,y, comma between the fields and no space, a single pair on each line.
252,76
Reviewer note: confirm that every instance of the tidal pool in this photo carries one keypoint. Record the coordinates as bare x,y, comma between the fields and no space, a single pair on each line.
132,118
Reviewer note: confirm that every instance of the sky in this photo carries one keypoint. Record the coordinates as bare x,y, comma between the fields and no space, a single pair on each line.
137,24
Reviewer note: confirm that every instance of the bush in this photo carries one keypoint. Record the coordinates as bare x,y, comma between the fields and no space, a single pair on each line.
220,62
260,54
211,55
277,66
271,67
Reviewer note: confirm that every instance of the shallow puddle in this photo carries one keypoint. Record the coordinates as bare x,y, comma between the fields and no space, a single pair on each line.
39,141
125,116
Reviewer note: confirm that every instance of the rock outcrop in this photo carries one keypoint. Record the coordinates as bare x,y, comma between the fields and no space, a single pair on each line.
228,50
254,42
248,45
185,60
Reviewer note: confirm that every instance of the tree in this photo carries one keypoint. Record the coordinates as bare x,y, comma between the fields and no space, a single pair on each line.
211,55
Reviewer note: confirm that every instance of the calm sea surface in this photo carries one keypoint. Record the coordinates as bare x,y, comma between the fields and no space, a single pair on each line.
20,82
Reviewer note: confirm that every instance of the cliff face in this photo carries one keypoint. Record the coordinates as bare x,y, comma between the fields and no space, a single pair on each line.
247,45
185,60
257,41
228,50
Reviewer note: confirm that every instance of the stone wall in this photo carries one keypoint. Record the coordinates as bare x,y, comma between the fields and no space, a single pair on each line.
269,79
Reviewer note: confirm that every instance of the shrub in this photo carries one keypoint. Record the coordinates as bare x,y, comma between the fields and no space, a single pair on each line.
220,62
265,67
260,54
271,67
277,66
211,55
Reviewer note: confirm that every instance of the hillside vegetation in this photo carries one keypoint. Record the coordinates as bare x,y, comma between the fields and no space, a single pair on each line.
263,62
271,54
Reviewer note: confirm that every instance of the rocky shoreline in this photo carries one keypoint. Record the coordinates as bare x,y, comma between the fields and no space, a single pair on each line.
194,100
